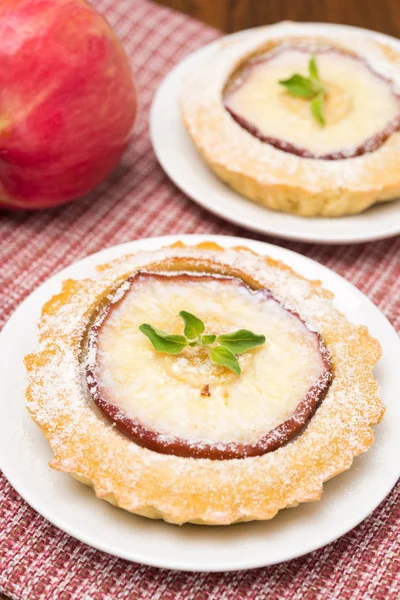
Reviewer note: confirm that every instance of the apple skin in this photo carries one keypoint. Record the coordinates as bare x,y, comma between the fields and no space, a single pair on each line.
67,101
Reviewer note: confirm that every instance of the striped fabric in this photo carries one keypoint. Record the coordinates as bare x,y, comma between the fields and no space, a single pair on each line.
37,561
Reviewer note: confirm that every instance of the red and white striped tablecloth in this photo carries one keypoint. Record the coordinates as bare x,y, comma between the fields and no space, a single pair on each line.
140,201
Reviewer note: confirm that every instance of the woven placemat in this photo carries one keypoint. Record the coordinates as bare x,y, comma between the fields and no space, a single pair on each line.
38,561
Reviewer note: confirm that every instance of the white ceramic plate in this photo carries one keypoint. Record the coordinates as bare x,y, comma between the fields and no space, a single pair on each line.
183,164
72,507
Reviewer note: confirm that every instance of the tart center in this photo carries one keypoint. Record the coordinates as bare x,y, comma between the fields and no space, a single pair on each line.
193,366
189,404
360,108
337,104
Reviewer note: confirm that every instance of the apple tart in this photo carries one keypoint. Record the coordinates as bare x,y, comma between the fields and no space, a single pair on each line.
201,384
299,120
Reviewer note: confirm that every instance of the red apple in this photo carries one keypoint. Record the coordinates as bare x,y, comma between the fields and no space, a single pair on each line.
67,101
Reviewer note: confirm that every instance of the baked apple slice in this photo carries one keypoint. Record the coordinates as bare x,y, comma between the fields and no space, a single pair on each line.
183,403
359,108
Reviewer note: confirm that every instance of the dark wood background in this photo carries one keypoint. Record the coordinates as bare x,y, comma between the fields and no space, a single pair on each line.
233,15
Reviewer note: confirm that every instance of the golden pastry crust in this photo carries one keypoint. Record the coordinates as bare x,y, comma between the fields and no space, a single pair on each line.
204,491
271,177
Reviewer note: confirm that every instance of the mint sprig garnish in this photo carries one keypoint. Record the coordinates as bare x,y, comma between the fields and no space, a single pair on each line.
240,341
207,340
193,325
308,87
223,356
224,352
313,69
317,108
162,341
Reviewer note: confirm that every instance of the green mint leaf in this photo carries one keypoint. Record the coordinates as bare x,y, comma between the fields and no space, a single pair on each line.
310,88
313,69
206,340
317,106
223,356
299,86
241,340
193,325
164,342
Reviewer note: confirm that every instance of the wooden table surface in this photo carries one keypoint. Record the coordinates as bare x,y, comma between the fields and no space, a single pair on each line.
233,15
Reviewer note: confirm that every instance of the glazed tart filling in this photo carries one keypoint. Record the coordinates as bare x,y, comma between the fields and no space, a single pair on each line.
361,109
185,404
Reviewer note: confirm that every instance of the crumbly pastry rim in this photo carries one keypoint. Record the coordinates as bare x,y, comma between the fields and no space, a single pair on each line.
269,176
202,491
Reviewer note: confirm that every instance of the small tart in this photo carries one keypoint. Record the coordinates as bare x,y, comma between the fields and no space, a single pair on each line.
267,145
360,110
178,437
